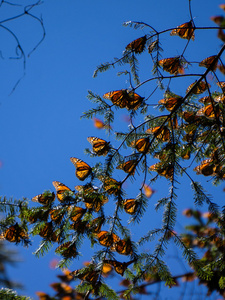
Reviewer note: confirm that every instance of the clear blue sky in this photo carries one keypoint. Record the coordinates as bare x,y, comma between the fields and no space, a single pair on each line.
40,121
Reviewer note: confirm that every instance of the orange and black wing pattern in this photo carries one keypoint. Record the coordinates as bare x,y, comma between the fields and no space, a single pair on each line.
197,89
172,65
206,168
142,145
170,103
128,167
209,62
119,98
44,199
130,206
99,146
83,170
61,190
161,132
185,31
124,99
137,45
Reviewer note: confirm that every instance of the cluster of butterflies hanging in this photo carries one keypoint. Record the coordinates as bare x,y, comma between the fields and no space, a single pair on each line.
52,218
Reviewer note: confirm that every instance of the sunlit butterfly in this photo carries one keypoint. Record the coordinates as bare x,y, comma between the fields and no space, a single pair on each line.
96,224
107,239
209,62
67,250
83,170
185,31
99,146
76,213
130,206
135,101
47,232
61,190
124,247
206,167
170,103
161,132
137,45
124,98
163,170
208,111
172,65
56,215
15,233
142,145
111,186
197,88
118,266
128,167
45,199
87,275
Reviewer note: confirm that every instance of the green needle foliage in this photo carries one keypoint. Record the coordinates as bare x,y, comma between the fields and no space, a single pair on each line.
179,128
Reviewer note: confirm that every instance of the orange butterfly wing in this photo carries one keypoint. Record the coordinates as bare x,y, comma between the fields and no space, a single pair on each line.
172,65
61,190
185,31
137,45
83,170
100,146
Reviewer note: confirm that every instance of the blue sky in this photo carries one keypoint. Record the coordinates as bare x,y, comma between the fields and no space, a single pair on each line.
40,121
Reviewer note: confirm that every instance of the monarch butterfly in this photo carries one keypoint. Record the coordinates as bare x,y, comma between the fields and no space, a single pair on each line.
95,202
161,132
128,167
56,215
118,266
172,65
208,111
148,191
83,170
87,275
99,146
190,117
111,186
170,103
77,213
119,98
107,239
124,98
209,62
61,190
45,198
96,224
124,247
206,167
130,206
137,45
15,234
135,101
199,88
162,170
185,31
47,232
67,250
142,145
